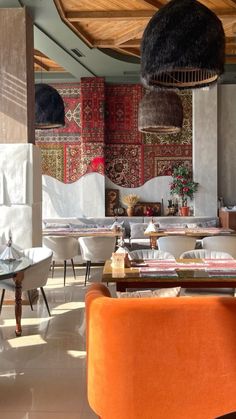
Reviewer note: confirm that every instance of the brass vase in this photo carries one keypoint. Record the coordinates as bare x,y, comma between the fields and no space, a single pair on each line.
130,211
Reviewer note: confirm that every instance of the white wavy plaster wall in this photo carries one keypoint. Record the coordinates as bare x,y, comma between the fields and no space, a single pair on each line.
86,197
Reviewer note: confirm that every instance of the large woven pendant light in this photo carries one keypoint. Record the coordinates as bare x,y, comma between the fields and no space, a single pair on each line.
49,107
183,46
160,112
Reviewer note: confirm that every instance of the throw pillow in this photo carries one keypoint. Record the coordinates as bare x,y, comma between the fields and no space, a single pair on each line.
117,225
174,225
137,230
158,293
57,225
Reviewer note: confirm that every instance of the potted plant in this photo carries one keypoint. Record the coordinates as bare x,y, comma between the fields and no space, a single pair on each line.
130,200
183,186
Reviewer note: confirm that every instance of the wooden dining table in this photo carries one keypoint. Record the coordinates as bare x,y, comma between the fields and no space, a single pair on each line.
198,232
82,232
187,273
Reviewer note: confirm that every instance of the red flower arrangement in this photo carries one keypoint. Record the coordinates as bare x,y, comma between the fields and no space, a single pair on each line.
182,184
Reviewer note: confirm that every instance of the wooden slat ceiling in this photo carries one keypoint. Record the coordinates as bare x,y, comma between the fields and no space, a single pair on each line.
119,24
43,63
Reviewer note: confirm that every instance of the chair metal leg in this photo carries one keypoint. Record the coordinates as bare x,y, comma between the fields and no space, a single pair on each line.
30,300
45,300
73,267
89,269
87,272
53,266
2,299
64,272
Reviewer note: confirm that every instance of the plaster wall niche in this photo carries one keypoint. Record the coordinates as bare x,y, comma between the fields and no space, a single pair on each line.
21,194
83,198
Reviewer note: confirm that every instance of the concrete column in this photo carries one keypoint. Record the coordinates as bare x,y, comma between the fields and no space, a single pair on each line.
20,162
16,77
227,143
205,150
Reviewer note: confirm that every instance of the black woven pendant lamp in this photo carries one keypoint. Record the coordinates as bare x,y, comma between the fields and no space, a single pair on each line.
183,46
49,107
160,112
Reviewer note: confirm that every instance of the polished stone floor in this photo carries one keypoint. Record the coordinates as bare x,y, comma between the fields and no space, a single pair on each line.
42,373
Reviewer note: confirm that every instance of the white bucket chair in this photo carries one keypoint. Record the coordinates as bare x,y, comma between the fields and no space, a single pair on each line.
64,248
35,276
150,254
96,250
206,254
176,245
222,243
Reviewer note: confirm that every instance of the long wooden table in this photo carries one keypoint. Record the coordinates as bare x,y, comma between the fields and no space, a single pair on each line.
84,232
198,232
187,273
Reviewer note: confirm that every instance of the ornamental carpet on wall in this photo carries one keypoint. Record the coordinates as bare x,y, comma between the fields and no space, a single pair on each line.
92,109
131,158
124,164
121,113
65,156
158,153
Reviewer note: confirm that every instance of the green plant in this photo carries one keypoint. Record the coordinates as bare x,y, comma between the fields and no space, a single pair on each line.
183,184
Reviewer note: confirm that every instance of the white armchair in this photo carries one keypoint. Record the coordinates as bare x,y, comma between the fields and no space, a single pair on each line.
64,248
150,254
176,244
95,250
35,276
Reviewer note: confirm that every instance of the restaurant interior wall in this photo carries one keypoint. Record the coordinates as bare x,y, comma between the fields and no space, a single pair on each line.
73,166
100,138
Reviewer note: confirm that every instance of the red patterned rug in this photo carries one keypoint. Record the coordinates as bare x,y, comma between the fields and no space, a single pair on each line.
53,161
78,148
124,164
92,109
159,160
121,114
72,130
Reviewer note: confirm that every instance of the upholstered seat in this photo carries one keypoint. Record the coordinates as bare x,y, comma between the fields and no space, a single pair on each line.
160,358
96,250
176,244
35,276
63,248
150,254
222,243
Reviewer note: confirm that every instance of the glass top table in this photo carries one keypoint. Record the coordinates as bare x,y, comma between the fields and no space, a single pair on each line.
10,267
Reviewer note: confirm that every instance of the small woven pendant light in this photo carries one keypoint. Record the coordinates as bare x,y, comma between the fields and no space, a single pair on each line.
160,112
49,107
183,46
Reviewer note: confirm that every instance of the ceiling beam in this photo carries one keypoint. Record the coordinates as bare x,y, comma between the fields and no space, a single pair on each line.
108,14
41,64
231,3
137,32
132,43
155,3
131,51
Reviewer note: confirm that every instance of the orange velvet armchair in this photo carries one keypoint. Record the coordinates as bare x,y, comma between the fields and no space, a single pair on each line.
160,358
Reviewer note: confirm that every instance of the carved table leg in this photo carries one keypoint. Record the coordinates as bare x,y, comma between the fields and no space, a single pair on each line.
18,302
153,242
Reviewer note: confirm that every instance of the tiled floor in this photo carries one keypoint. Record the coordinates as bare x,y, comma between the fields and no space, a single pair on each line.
42,373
